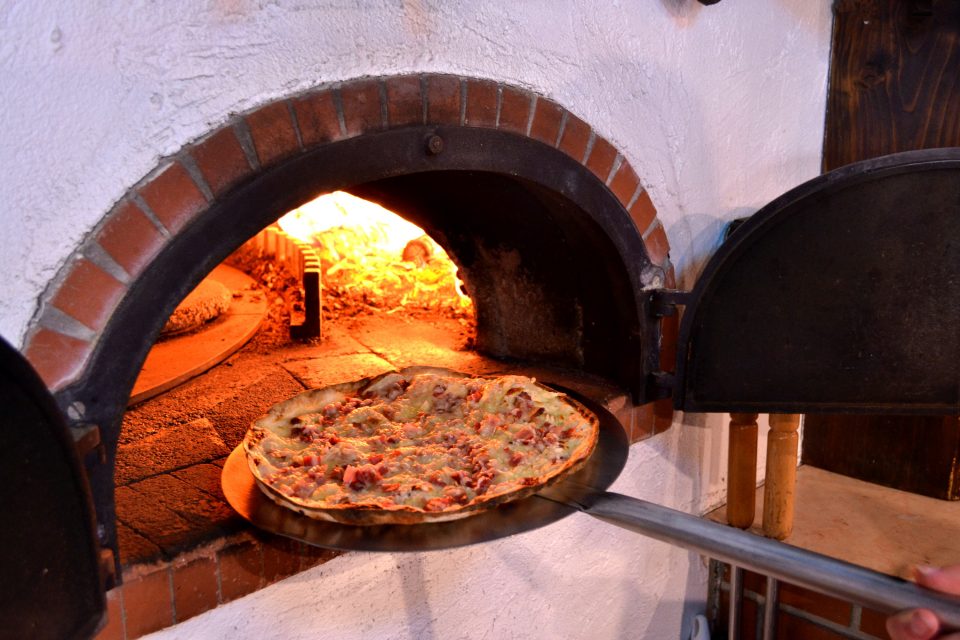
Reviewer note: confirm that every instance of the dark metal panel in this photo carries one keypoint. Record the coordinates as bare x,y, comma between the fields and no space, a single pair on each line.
843,295
51,585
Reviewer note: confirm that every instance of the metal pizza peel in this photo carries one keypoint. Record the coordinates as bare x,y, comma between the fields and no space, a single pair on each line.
533,512
586,492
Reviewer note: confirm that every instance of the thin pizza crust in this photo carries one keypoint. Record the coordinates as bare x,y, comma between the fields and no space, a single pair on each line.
276,423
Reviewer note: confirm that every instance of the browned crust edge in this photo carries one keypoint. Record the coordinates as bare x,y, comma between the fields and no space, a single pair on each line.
369,515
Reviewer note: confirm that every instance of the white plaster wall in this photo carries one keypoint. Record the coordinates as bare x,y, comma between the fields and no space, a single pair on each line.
719,109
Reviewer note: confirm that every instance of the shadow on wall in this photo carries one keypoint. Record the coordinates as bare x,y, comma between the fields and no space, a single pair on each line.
416,600
684,11
668,611
673,156
702,234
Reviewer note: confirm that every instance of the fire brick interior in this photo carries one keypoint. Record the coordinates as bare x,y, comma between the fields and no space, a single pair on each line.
516,241
172,447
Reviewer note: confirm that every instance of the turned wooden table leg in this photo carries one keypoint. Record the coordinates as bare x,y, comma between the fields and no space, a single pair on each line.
781,482
742,470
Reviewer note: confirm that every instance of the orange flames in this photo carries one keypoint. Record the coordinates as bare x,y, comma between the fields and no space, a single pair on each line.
371,254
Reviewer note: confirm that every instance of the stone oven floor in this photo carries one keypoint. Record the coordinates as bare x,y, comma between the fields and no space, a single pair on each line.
172,447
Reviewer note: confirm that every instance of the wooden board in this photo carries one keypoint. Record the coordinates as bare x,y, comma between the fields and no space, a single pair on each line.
912,453
894,79
173,361
882,529
894,86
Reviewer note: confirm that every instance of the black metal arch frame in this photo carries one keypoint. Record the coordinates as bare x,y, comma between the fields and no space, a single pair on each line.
597,236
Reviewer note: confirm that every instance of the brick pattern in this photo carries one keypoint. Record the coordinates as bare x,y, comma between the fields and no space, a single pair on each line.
361,107
317,115
130,238
482,101
88,294
802,614
443,100
547,119
575,138
642,212
195,587
165,202
221,160
404,101
515,110
625,184
147,604
173,197
601,159
274,135
154,597
658,247
113,626
57,358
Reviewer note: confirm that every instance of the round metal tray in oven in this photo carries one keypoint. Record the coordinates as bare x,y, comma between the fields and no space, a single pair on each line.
598,473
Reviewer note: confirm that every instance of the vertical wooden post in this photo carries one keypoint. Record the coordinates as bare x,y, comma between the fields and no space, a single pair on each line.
742,470
780,486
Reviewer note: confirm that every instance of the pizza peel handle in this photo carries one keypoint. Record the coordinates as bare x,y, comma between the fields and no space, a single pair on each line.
781,561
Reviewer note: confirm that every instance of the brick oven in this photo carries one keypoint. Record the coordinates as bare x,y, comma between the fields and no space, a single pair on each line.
462,157
439,115
370,136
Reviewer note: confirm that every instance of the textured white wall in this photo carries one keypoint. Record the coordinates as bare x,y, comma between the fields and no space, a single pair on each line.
719,109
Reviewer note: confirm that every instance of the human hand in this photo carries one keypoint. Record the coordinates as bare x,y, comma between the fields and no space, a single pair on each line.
922,624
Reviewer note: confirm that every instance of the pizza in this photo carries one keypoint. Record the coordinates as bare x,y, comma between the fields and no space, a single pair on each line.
417,445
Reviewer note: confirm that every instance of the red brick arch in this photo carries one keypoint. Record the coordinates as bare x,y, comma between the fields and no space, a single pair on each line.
86,292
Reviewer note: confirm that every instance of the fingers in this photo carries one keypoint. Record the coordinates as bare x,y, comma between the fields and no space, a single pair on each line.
945,580
918,624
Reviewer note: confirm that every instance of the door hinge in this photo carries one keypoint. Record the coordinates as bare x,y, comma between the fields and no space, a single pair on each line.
661,303
660,384
664,302
108,568
86,438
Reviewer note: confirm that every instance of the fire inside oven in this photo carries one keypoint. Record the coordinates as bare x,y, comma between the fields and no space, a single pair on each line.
337,289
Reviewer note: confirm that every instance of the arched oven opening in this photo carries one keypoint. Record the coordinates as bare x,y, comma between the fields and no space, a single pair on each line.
552,260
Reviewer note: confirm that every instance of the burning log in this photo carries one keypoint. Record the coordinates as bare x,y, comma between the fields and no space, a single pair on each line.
371,258
335,257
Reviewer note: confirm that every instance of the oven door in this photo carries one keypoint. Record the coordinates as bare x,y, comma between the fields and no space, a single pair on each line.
841,296
52,585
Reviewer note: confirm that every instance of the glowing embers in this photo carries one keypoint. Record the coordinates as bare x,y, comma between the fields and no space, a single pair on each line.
371,257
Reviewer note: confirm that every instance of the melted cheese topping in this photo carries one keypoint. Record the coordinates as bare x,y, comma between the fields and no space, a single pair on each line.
433,443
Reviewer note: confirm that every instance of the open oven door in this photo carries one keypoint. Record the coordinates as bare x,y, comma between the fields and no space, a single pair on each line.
840,296
52,585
